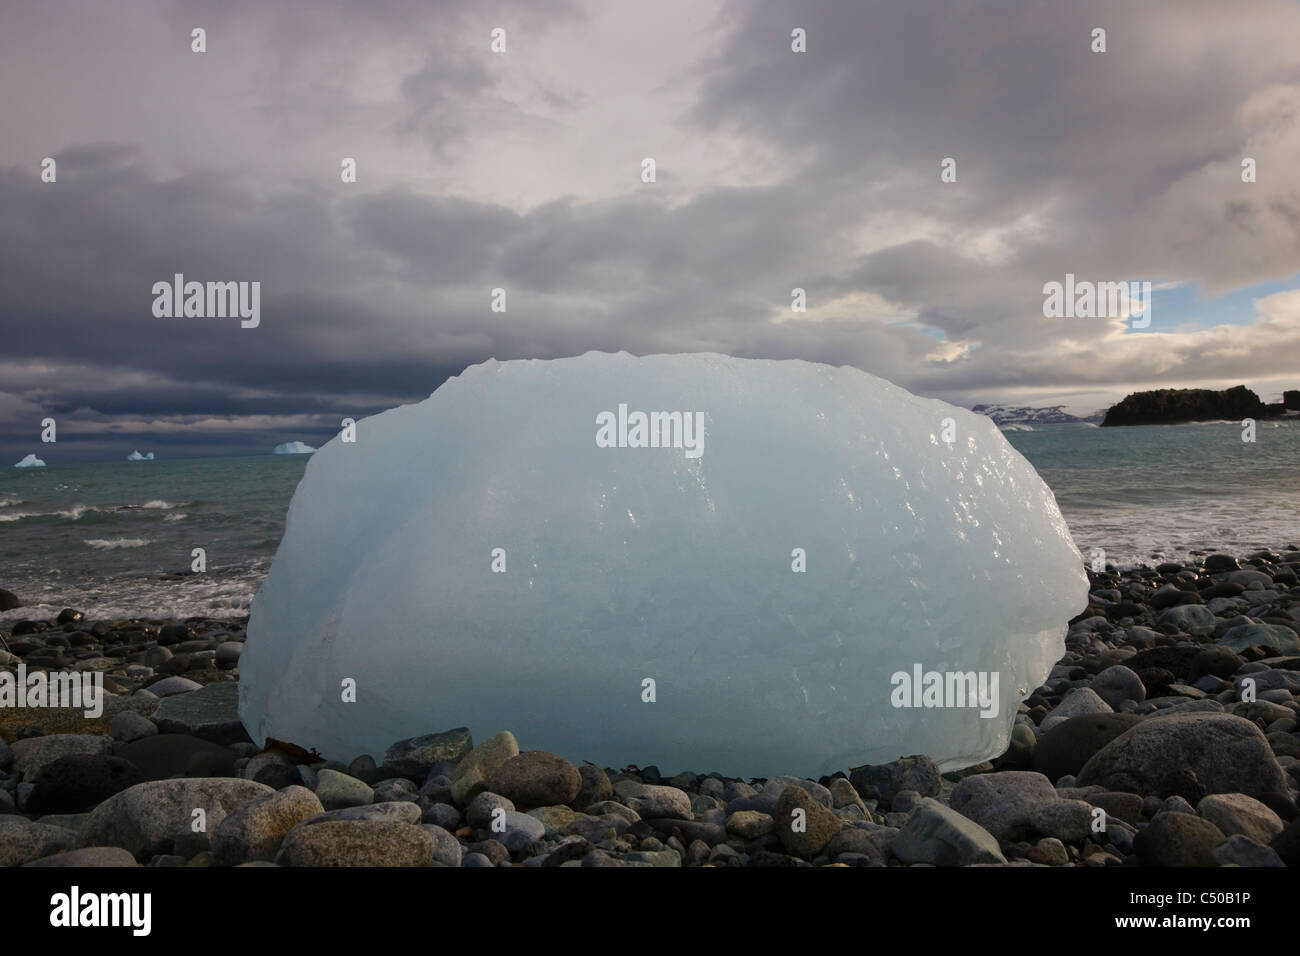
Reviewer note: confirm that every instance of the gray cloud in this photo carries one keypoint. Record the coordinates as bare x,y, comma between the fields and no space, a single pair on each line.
1117,165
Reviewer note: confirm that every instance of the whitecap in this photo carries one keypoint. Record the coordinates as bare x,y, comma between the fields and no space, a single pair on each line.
108,544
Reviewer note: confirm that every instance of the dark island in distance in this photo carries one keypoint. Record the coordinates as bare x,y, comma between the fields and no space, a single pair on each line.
1165,406
1172,406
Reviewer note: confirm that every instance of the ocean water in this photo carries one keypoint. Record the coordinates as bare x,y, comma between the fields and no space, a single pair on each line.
1149,493
109,538
101,537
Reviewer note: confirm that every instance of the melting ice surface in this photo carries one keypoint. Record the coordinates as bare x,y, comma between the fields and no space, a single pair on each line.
624,564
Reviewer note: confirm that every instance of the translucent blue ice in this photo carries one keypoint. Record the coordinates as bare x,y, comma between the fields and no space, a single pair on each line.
652,609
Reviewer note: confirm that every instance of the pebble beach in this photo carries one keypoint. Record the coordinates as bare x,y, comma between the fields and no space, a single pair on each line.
1167,735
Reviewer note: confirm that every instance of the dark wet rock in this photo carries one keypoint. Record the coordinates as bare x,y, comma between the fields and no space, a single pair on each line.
80,782
1069,745
178,755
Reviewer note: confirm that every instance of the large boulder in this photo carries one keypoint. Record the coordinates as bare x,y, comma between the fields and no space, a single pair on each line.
80,782
1227,754
147,818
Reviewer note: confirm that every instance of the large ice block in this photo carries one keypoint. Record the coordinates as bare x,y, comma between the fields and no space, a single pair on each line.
814,568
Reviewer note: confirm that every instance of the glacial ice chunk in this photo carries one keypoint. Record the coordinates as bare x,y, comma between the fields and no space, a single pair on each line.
294,448
693,561
136,456
30,461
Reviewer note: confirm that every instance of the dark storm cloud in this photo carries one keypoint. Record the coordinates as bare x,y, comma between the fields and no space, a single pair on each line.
379,296
1117,165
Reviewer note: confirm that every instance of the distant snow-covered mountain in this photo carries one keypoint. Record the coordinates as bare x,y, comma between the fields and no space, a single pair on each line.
1025,415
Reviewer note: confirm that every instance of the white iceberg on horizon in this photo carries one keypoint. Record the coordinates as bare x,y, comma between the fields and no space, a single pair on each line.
31,461
136,456
294,448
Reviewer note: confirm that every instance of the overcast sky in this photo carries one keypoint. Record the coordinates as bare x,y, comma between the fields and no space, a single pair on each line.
522,170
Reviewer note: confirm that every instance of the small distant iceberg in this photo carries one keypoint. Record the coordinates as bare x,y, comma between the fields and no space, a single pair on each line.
31,461
294,448
136,456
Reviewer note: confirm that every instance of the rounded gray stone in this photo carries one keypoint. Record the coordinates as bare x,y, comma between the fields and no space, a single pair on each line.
127,726
446,848
170,686
480,811
337,790
1228,755
652,801
1119,683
